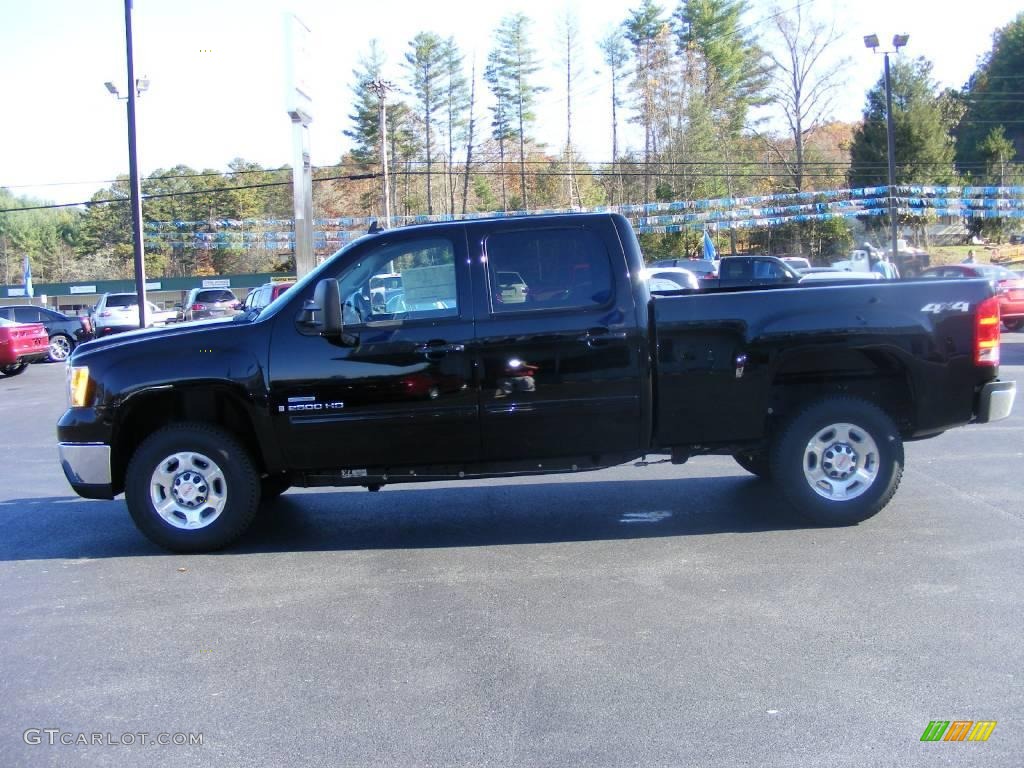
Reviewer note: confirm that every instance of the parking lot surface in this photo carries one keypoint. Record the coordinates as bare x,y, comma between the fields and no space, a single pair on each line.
638,616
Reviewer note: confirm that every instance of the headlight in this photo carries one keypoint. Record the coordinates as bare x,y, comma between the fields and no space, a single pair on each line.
78,385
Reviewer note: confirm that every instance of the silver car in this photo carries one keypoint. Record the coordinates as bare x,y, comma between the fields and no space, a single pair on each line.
204,303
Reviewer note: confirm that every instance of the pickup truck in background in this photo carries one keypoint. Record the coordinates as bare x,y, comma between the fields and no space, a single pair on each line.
816,388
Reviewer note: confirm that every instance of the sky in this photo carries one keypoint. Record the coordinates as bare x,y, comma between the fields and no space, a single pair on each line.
217,71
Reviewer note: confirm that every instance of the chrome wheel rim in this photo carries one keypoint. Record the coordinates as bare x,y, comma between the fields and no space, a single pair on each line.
60,348
188,490
841,462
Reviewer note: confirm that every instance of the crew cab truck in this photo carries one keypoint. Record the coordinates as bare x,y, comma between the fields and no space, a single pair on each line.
816,388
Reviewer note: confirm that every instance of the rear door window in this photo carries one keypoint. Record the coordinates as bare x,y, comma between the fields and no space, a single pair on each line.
547,269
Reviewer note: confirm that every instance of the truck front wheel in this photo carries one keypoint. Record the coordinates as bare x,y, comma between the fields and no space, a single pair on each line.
192,488
839,461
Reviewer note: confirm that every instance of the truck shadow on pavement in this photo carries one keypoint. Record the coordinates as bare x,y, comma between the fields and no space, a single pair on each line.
398,517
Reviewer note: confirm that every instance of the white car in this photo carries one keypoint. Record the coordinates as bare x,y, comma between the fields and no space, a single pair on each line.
116,312
157,316
670,279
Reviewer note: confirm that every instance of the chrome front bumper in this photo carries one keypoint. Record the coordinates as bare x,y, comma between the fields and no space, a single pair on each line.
85,463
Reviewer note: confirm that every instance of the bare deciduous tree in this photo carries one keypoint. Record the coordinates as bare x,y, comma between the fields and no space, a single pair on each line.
803,82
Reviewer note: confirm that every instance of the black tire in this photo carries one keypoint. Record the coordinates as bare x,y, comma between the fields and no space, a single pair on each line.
1014,324
13,369
865,444
273,486
237,482
755,462
61,346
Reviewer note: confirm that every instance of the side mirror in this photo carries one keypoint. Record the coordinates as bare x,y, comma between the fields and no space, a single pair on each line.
323,311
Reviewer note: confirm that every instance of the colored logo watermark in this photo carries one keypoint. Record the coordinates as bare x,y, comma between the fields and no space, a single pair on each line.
958,730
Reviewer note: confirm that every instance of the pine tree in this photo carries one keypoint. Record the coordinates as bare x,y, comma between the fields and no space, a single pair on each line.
501,111
993,97
513,63
616,55
644,28
734,72
456,107
426,65
365,117
924,147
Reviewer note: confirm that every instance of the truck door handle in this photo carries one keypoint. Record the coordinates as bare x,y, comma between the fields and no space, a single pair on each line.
438,348
599,337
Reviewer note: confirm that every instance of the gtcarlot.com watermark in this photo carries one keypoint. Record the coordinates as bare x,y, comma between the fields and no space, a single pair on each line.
55,736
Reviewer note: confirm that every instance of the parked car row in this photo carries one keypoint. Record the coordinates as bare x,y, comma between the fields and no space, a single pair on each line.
750,271
753,271
63,333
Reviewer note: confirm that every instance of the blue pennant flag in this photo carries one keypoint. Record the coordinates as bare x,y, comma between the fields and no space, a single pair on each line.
28,278
709,247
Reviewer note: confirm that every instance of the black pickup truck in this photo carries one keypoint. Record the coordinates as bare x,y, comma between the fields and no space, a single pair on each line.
523,346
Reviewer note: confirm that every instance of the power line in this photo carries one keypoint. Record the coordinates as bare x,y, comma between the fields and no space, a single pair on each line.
152,177
183,193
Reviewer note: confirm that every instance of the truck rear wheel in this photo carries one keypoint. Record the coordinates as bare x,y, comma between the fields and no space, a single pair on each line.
192,488
839,461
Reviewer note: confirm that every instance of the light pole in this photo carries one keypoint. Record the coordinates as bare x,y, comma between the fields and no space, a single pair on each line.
381,88
898,41
135,89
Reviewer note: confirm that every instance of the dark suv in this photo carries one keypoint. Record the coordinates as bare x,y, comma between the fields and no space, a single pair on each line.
204,303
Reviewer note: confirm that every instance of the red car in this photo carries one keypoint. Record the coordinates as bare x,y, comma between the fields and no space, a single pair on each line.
21,344
1008,285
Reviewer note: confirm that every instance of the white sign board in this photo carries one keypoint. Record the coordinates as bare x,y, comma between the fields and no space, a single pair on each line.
83,289
153,286
219,283
15,291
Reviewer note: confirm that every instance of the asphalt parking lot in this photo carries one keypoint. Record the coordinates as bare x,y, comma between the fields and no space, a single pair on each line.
658,616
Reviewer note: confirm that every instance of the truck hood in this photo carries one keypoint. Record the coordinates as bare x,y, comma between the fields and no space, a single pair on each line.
149,335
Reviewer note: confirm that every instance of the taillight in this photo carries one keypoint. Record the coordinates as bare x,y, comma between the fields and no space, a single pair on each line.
197,307
986,333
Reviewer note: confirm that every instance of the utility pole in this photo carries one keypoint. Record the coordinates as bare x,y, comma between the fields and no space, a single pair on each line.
135,89
299,105
380,88
898,41
891,141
